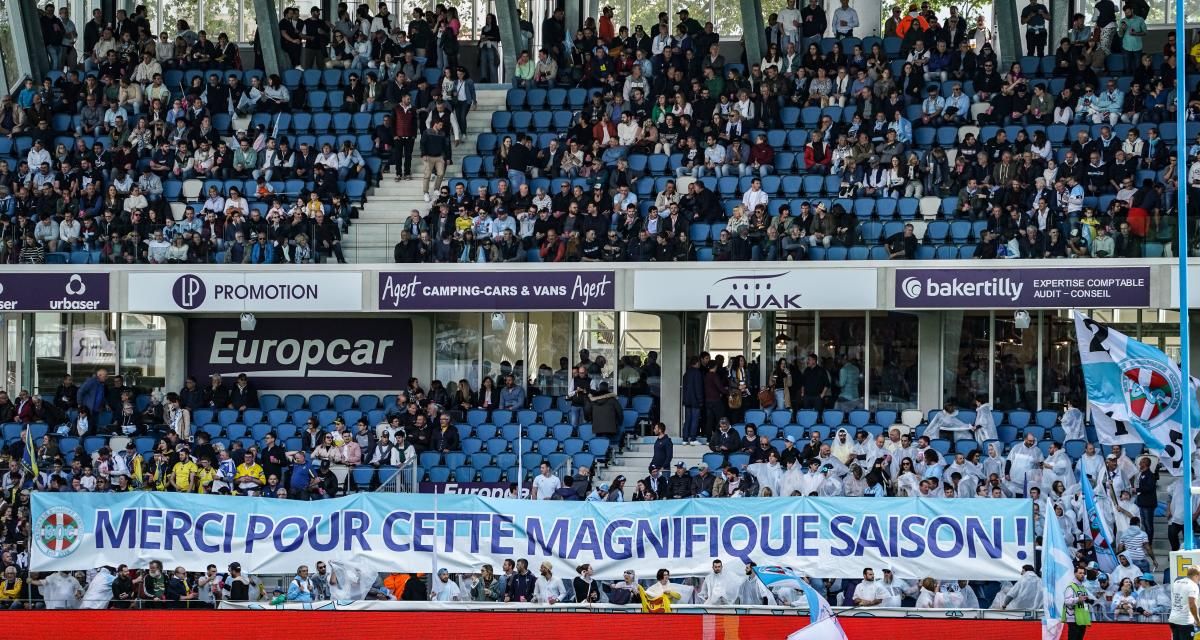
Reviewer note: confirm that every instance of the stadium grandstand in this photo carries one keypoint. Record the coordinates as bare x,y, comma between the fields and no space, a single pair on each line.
247,248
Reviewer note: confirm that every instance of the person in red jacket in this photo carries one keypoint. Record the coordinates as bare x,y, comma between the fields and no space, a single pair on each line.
553,249
762,157
817,155
404,119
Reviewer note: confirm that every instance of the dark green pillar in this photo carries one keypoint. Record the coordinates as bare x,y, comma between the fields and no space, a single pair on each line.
1008,26
508,18
754,30
26,28
274,59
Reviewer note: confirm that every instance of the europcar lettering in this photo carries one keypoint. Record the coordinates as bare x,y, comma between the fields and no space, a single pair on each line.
300,356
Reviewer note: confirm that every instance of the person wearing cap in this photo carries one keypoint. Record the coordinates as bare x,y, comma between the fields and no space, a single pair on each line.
1152,599
600,494
235,585
655,482
679,485
444,589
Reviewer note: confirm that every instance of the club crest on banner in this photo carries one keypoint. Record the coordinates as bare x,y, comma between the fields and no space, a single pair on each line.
1152,391
57,531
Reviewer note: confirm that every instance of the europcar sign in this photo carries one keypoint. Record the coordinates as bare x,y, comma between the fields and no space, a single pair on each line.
294,353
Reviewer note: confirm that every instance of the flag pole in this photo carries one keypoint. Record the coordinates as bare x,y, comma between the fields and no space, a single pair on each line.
1181,195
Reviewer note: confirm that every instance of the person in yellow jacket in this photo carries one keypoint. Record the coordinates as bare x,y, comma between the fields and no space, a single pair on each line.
183,474
11,589
205,475
249,478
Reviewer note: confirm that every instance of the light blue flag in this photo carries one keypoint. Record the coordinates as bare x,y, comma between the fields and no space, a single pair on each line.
1097,528
1134,390
818,607
1057,573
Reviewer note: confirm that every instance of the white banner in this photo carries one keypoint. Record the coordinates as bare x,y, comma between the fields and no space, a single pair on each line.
238,291
836,538
782,289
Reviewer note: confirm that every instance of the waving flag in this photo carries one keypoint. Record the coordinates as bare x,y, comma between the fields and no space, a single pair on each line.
818,607
30,452
1136,389
656,604
1097,528
823,624
827,629
1057,573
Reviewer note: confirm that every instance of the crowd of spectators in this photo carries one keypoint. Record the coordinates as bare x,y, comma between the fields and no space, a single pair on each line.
1060,155
954,455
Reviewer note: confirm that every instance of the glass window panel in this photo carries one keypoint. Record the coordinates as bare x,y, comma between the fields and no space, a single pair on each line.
152,14
92,342
503,346
466,10
172,12
795,336
144,350
965,348
842,349
637,374
725,335
249,21
894,350
49,351
550,351
1016,373
727,19
646,14
221,16
456,338
698,10
1061,376
1160,328
14,351
598,336
6,42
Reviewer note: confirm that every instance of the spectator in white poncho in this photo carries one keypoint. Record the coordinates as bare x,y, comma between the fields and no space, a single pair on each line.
60,590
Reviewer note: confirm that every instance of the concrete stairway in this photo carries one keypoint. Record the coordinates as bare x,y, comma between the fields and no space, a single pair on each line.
377,229
634,461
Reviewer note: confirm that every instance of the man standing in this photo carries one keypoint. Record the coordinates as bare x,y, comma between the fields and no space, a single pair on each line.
663,447
814,385
1132,29
1035,18
404,119
435,151
93,393
693,400
1147,494
845,20
1076,612
1184,594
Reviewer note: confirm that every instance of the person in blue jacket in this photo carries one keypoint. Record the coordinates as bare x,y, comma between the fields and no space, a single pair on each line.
93,393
